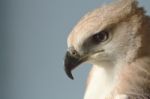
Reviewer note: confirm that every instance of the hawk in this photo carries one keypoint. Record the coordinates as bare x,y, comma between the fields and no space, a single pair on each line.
115,38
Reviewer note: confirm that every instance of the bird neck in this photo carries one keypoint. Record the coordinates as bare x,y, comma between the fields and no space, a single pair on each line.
134,78
100,83
105,82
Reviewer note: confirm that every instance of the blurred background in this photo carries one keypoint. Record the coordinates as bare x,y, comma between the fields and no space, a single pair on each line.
33,39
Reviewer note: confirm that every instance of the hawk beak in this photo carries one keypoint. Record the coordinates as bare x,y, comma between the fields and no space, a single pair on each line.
71,62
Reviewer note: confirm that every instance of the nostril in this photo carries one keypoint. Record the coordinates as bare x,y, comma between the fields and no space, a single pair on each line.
74,53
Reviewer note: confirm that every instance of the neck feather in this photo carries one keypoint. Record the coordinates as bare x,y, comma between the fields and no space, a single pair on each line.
130,79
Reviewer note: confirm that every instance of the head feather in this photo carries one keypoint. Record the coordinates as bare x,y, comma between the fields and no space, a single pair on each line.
103,17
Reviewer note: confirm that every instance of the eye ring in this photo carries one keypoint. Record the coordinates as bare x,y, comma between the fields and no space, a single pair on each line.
100,37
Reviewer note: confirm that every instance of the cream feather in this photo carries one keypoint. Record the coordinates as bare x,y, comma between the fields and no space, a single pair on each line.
123,70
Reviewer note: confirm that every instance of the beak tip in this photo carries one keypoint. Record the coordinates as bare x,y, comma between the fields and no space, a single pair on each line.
71,77
69,74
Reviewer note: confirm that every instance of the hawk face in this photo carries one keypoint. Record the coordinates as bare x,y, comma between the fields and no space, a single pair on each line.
101,38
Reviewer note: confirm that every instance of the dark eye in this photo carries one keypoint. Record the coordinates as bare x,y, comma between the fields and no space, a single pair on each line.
100,37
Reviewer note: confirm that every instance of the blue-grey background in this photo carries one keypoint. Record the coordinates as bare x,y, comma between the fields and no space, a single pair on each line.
32,46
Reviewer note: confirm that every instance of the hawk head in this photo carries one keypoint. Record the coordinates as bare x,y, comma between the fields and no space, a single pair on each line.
106,36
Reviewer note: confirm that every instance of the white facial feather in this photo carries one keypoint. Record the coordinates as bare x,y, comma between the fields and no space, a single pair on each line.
129,35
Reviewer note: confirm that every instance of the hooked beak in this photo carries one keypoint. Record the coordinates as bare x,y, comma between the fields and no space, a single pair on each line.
71,62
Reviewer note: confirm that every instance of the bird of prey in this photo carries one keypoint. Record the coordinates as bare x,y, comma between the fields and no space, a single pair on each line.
115,38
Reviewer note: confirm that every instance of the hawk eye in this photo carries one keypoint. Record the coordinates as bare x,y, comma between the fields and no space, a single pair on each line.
100,37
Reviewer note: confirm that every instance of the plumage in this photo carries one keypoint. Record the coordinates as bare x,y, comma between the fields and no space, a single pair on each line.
115,39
